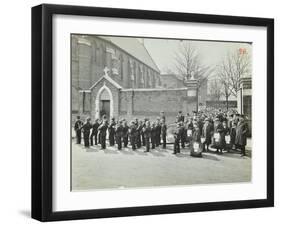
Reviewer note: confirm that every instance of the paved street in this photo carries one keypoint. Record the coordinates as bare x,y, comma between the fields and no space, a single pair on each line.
97,169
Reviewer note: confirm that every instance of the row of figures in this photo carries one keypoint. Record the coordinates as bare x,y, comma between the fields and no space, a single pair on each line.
138,133
198,133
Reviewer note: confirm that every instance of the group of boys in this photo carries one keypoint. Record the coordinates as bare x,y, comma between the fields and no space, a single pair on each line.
221,130
202,128
139,133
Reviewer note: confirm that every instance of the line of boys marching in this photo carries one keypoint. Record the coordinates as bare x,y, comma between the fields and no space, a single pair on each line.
139,133
199,132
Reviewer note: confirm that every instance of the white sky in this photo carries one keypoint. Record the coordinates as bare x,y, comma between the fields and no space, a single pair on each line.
211,52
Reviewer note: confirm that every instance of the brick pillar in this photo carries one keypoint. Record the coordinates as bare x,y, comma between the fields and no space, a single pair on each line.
192,91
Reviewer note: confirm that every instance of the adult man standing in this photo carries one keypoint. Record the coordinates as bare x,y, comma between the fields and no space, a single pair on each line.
77,127
241,135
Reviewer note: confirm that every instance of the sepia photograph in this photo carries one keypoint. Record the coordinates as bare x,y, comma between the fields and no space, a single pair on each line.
158,112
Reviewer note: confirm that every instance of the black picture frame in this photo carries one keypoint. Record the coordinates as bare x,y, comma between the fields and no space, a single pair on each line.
42,111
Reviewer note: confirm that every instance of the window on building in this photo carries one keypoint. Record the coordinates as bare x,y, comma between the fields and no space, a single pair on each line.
121,62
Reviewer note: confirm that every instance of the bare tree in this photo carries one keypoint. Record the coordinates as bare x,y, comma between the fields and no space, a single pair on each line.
233,67
215,88
188,64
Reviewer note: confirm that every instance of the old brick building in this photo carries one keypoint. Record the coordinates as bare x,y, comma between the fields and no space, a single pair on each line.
116,76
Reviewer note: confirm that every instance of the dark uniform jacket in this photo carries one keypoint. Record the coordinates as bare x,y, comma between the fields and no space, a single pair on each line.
147,132
95,128
102,128
78,125
125,131
111,128
178,134
133,132
119,131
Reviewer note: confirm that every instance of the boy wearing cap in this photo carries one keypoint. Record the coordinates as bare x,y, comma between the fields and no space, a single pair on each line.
86,132
77,127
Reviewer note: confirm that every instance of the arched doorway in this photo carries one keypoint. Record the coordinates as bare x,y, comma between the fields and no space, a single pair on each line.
104,102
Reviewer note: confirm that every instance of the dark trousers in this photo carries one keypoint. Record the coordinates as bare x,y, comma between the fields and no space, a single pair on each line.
164,140
204,146
153,142
133,143
183,142
99,140
111,139
78,136
103,141
177,146
147,144
119,142
96,139
125,141
86,139
243,150
158,140
139,141
143,139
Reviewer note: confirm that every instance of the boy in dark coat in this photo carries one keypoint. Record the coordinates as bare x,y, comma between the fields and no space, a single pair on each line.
158,133
177,136
94,132
218,130
77,127
139,131
125,133
119,134
163,133
86,132
153,135
207,132
133,135
147,135
241,135
102,132
111,131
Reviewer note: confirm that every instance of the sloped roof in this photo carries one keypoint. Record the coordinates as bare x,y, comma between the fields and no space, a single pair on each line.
134,48
106,77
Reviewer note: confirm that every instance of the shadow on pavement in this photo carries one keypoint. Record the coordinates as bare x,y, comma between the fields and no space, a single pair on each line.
130,152
209,157
108,151
156,153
